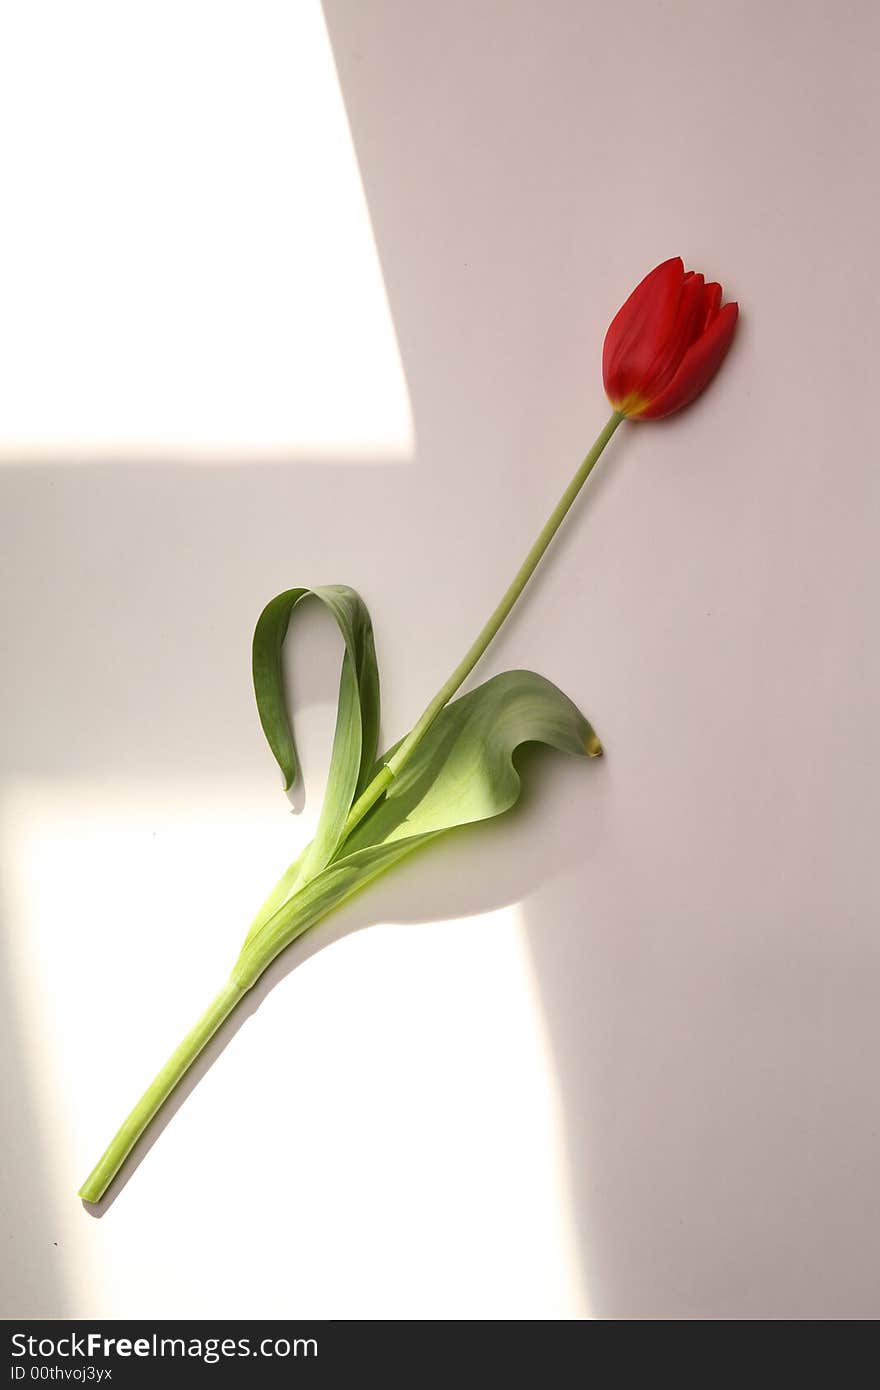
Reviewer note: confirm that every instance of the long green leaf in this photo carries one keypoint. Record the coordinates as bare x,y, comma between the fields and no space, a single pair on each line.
357,721
462,771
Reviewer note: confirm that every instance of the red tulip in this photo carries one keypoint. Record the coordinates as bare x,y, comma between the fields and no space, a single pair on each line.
666,343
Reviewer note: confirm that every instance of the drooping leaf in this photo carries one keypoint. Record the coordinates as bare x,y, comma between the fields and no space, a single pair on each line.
357,720
462,772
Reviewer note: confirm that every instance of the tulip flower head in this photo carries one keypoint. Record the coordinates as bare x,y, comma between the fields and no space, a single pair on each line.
666,343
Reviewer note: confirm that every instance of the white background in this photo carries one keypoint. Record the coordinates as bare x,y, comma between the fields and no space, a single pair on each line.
294,295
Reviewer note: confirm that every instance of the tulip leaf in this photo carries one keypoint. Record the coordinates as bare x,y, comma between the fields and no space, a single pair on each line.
462,771
357,720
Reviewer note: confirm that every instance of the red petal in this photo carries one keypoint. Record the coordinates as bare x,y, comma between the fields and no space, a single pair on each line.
640,329
697,367
712,303
685,330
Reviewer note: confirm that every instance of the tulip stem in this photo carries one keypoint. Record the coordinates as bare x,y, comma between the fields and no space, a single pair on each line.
196,1040
392,768
158,1091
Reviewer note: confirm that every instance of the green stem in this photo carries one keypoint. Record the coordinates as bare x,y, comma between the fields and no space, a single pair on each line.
180,1061
154,1097
383,779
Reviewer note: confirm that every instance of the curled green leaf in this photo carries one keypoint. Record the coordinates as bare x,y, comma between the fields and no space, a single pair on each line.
357,721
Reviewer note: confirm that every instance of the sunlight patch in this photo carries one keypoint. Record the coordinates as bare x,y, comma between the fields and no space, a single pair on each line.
188,263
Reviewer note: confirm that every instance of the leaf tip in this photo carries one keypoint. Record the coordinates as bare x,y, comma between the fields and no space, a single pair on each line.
592,746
